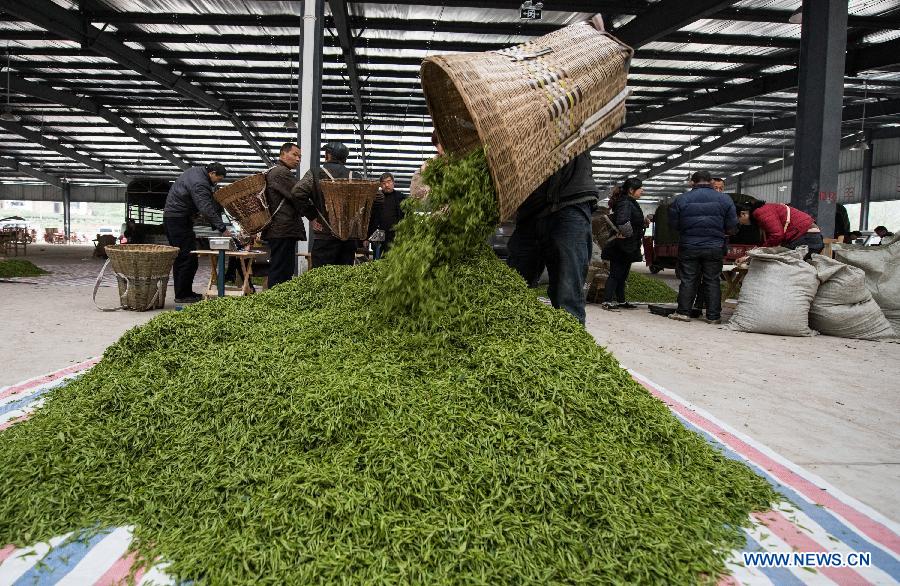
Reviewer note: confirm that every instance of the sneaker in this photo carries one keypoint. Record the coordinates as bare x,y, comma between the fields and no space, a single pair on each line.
190,299
679,316
627,305
716,321
610,306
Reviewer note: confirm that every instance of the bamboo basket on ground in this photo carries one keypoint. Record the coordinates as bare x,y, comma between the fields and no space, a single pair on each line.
142,272
348,205
245,201
534,106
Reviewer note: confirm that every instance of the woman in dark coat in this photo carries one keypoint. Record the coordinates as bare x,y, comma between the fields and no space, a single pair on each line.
625,248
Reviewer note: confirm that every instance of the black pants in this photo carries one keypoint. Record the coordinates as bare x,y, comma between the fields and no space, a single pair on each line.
388,241
180,232
812,240
694,263
333,252
615,284
282,260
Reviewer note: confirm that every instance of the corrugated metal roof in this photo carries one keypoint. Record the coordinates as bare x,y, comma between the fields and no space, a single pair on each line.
245,52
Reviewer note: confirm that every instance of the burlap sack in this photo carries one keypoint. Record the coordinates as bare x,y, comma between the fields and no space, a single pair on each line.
882,267
843,306
776,294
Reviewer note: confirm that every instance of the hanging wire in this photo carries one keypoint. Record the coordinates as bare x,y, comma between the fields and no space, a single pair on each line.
289,122
7,111
782,187
862,127
434,24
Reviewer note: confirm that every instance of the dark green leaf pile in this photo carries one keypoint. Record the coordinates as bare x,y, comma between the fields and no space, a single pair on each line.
302,436
14,267
641,288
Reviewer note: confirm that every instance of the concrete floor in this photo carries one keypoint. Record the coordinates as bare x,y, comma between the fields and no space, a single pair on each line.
830,405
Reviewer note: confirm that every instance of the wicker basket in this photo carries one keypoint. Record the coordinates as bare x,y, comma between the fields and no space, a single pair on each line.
348,205
142,272
535,106
245,201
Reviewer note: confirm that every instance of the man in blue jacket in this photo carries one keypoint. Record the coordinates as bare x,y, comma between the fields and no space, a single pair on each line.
191,192
703,218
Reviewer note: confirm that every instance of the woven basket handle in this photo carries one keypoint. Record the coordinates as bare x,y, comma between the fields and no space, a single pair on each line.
529,55
159,288
594,119
97,286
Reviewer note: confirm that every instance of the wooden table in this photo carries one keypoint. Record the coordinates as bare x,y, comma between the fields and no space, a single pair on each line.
245,259
733,281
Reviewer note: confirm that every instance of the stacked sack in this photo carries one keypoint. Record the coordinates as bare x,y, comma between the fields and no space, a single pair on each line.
843,306
881,265
784,295
776,294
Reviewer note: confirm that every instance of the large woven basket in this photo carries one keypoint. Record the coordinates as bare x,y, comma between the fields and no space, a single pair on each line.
348,205
534,106
245,201
142,272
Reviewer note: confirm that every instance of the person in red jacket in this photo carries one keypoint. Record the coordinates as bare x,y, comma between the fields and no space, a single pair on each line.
783,225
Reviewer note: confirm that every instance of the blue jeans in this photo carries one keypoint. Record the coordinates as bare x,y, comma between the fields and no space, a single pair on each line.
561,241
694,263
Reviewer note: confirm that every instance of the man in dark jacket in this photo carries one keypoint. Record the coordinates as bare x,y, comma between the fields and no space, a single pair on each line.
703,217
327,248
191,192
391,213
553,229
286,227
386,214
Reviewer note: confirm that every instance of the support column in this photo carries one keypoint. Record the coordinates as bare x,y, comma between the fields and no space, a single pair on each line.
309,95
866,192
740,184
823,42
67,209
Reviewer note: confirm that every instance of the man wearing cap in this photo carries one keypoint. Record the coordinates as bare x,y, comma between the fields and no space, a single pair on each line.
191,192
327,248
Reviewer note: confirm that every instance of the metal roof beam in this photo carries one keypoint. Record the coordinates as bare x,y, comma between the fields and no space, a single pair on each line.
879,55
86,104
341,17
781,17
364,69
588,6
392,44
666,17
69,152
731,40
885,108
31,171
58,20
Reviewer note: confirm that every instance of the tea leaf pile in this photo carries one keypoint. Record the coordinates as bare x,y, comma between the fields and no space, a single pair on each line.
302,436
14,267
641,288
